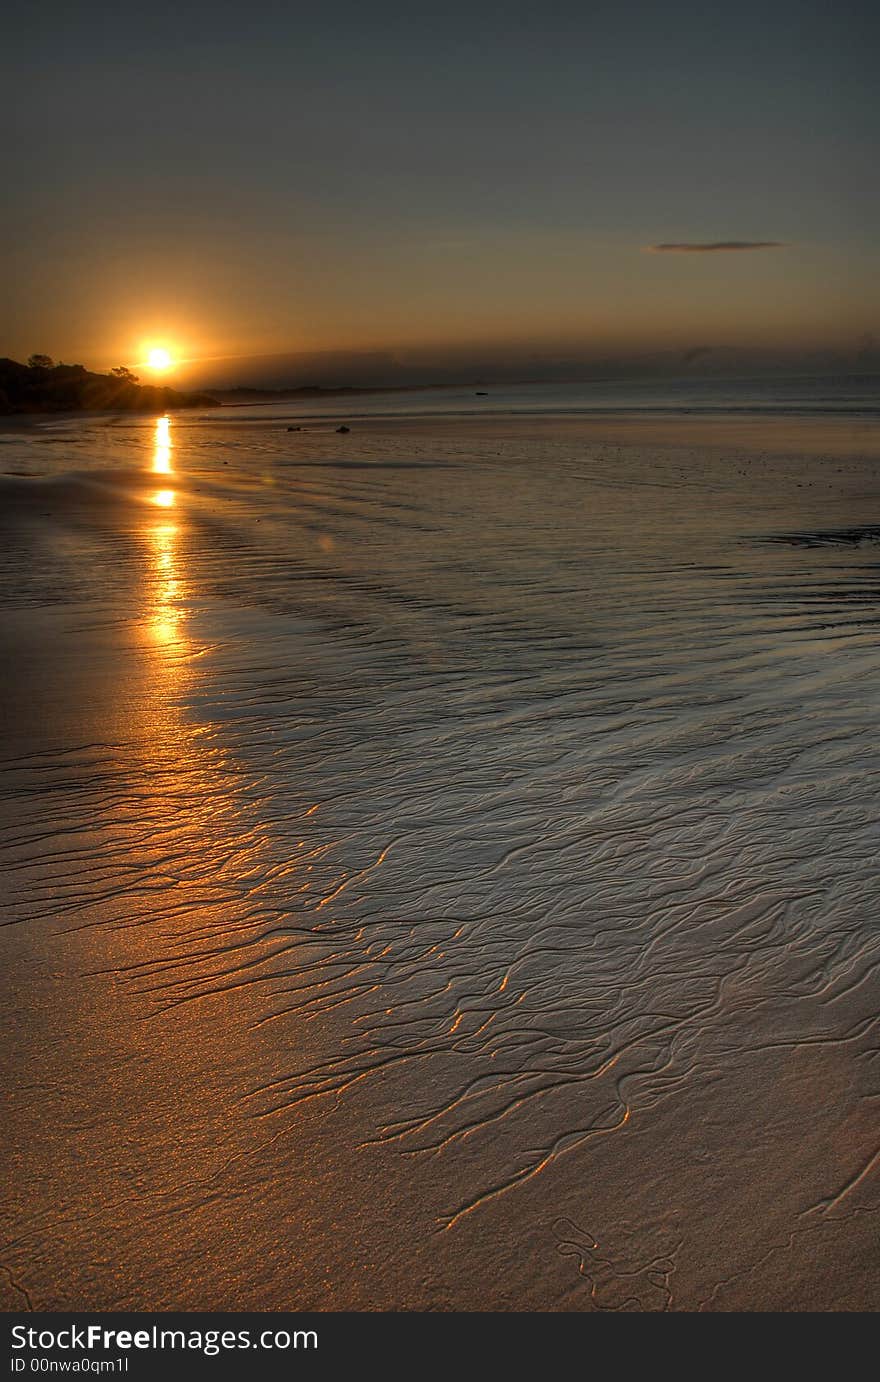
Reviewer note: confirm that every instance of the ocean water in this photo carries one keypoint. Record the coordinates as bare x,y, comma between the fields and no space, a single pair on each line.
441,867
844,395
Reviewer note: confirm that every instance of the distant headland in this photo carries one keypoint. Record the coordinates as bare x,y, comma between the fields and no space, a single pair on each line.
42,386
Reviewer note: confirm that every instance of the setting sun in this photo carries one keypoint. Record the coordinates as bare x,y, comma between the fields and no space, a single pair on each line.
159,359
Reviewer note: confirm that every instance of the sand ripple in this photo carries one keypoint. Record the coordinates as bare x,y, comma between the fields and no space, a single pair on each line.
516,807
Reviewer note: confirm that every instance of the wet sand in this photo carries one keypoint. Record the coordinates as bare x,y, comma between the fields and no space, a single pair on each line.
440,865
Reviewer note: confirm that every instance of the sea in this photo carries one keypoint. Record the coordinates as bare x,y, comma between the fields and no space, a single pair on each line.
851,395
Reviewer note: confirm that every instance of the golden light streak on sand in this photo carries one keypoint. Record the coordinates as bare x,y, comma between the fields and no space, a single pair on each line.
162,447
166,616
167,589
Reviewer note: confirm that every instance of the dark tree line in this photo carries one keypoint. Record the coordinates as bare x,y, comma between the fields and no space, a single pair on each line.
42,386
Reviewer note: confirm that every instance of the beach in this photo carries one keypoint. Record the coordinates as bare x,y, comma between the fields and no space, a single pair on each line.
440,861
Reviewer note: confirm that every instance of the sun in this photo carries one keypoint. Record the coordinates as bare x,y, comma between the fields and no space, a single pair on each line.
159,359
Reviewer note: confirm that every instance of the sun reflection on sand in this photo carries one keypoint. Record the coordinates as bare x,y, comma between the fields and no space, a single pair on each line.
163,498
167,587
166,615
162,447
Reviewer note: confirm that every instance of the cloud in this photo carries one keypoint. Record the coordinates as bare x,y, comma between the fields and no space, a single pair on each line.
695,353
713,246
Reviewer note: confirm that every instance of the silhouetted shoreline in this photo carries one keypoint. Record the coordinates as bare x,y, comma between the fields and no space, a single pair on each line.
51,388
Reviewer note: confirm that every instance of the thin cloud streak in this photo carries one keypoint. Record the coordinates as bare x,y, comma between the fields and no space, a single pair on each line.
714,246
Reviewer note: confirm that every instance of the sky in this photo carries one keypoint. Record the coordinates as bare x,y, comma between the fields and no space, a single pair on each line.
388,191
